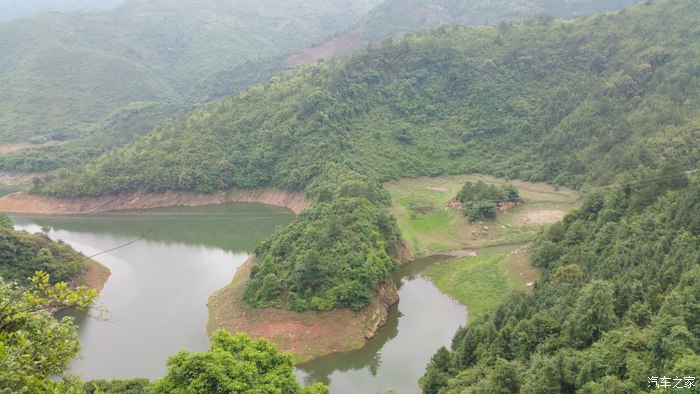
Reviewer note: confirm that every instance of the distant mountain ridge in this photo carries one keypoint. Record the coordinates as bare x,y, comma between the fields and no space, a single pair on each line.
570,102
392,18
61,72
12,9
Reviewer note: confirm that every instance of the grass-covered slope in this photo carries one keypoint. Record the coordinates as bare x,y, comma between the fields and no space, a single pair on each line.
61,72
618,300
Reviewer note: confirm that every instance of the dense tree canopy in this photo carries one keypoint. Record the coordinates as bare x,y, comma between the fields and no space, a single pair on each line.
22,254
569,102
233,364
618,301
481,201
35,348
334,255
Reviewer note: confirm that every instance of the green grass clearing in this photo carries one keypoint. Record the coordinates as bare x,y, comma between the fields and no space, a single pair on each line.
480,283
429,226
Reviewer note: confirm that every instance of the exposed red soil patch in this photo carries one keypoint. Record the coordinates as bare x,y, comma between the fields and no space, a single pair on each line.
27,203
306,335
7,148
337,46
95,276
540,216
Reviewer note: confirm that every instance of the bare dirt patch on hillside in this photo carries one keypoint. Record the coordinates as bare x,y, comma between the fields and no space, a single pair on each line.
95,276
539,216
337,46
8,148
28,203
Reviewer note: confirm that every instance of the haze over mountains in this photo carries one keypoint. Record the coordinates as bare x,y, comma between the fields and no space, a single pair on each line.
607,104
393,17
64,73
12,9
570,102
61,72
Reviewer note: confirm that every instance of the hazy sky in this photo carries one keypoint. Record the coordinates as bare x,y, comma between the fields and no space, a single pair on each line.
11,9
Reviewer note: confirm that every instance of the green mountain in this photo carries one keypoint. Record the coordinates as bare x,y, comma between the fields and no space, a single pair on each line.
394,17
115,130
569,102
60,73
574,103
618,301
67,72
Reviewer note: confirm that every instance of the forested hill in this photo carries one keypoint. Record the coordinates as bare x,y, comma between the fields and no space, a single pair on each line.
59,73
568,102
617,305
23,254
574,103
394,17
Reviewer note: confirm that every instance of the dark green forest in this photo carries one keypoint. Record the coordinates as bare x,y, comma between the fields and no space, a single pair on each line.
568,102
334,255
22,254
573,103
607,104
618,301
481,201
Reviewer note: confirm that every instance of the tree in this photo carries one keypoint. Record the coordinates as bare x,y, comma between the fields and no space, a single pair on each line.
34,346
233,364
594,313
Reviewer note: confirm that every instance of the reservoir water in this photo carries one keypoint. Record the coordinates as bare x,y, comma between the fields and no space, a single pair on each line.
159,287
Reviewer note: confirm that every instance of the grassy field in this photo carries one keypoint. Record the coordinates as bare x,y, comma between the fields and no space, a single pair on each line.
480,283
501,263
430,227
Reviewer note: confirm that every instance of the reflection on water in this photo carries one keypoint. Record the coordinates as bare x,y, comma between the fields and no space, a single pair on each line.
423,320
159,286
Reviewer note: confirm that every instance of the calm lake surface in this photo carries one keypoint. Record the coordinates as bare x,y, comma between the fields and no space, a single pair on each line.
159,287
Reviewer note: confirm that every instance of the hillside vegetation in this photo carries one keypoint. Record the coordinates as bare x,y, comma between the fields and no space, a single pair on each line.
68,72
569,102
61,72
618,302
22,254
394,17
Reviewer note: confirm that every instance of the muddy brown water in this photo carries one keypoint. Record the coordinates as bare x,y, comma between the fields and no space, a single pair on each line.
159,287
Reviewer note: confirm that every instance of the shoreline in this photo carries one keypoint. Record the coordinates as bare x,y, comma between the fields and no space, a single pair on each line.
307,335
20,202
95,276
